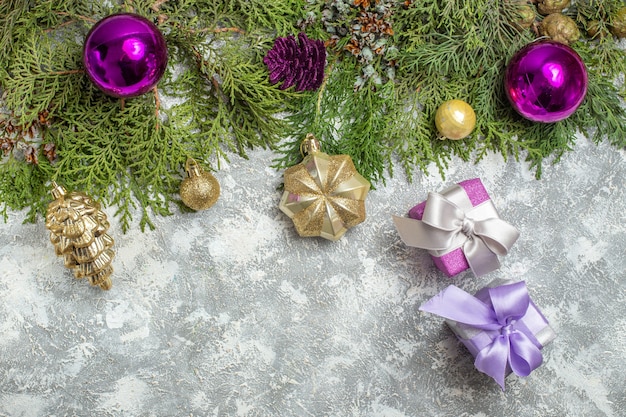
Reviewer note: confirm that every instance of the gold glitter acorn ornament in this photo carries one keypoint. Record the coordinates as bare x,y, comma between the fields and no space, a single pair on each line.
455,119
324,195
78,232
200,190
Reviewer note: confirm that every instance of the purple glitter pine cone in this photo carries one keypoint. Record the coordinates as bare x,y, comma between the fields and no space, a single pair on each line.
297,63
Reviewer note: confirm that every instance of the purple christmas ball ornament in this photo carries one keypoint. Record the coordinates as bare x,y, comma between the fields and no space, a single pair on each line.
546,81
125,55
300,63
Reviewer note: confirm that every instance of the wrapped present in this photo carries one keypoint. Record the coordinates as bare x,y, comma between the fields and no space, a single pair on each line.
460,227
500,325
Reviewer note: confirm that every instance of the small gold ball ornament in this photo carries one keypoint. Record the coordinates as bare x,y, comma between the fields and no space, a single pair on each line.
455,119
200,190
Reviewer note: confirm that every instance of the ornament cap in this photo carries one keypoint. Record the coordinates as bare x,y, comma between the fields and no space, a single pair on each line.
310,145
57,191
192,168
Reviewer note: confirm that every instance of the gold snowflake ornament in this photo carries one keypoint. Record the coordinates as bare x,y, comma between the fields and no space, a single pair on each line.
324,194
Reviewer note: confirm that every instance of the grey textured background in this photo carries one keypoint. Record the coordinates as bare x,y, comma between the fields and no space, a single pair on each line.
229,313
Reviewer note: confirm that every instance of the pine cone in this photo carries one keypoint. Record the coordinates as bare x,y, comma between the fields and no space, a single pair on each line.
597,30
78,232
300,64
618,23
523,13
547,7
560,28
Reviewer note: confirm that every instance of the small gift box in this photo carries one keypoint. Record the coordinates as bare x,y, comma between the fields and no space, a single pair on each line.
460,227
500,325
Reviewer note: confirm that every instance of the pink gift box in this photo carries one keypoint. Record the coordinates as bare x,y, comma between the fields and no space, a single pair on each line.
454,261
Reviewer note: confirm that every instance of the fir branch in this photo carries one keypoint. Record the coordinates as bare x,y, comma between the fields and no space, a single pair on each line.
346,121
126,149
11,11
278,16
602,116
38,80
23,185
236,103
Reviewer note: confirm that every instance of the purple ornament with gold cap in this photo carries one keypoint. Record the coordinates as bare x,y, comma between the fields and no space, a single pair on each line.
546,81
125,55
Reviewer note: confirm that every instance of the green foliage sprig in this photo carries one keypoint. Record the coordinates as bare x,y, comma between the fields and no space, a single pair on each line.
444,50
390,64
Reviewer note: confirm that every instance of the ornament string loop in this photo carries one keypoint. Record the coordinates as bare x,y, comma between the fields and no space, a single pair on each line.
515,346
191,167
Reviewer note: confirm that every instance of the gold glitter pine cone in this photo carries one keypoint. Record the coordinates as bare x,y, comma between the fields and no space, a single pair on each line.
524,14
547,7
78,231
324,194
560,28
200,190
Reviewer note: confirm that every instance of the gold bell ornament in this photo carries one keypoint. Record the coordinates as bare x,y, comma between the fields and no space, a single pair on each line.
200,190
455,119
78,232
324,195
